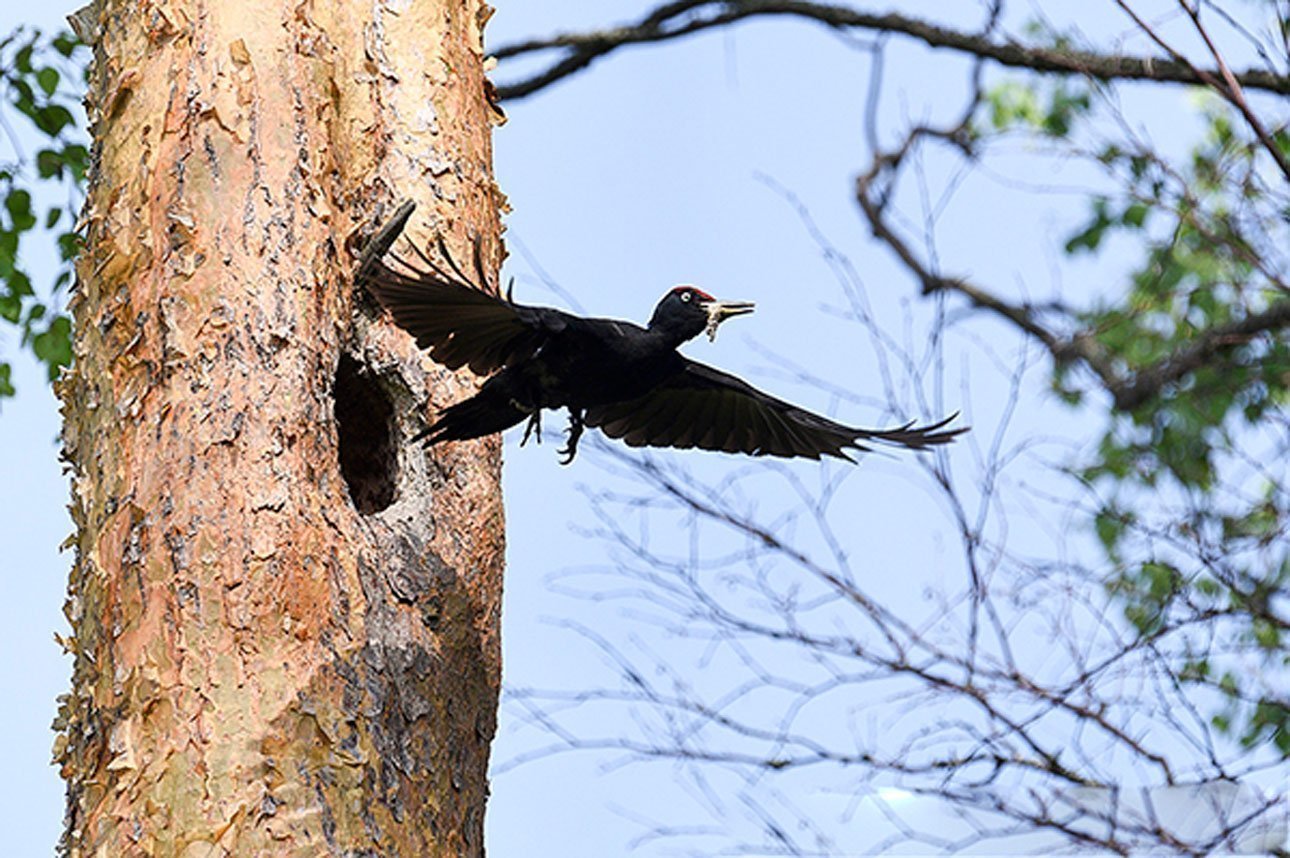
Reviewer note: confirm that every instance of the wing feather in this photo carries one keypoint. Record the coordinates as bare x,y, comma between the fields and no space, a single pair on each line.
459,324
690,422
704,407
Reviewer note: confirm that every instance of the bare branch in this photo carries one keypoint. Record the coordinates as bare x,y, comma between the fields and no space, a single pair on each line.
686,17
1222,81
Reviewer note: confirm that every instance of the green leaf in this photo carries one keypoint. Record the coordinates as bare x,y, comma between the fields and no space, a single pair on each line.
69,245
49,164
20,285
10,308
52,119
1091,235
1110,525
48,79
8,251
65,43
1163,580
22,59
54,345
1135,215
18,204
77,159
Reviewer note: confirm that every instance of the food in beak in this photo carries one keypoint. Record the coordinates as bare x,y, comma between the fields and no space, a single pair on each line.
719,311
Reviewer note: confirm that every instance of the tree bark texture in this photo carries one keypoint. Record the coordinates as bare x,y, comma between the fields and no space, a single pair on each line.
284,617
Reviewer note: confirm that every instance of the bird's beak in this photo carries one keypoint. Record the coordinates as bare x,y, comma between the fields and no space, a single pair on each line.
719,311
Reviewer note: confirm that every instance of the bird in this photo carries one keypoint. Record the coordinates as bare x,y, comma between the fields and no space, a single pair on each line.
628,381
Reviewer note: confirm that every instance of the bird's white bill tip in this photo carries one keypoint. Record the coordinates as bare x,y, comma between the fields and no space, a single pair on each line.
719,311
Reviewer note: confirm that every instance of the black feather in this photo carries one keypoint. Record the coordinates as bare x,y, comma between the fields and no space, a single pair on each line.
627,380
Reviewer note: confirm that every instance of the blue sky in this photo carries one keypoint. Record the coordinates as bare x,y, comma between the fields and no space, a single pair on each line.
660,166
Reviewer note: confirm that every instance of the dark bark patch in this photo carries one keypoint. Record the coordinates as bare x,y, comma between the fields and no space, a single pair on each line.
369,461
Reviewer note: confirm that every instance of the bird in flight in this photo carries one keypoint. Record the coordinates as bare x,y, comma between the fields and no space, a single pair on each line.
628,381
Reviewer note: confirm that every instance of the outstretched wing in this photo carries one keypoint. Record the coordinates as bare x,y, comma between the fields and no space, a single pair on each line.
459,324
713,410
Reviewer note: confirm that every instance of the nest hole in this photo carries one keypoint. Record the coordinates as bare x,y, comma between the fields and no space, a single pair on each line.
365,424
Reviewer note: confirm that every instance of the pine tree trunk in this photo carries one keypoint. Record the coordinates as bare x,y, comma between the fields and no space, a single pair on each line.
285,618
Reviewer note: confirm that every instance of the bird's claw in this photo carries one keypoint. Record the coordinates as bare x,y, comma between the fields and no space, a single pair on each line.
534,426
570,449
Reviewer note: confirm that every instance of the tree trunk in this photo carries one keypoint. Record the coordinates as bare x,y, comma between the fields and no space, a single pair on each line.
285,618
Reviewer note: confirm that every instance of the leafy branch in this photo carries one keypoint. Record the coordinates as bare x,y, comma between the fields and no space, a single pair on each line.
40,78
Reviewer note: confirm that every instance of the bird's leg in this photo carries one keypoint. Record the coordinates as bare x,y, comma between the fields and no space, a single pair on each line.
576,426
534,425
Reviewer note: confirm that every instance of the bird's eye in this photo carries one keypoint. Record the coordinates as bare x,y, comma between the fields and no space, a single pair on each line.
686,296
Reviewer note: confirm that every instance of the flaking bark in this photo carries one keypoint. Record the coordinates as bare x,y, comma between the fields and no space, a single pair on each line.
260,667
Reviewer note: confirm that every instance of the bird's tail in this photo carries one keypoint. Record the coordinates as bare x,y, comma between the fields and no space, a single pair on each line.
491,410
914,437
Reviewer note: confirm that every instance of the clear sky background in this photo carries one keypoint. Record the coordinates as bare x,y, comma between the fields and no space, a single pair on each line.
650,170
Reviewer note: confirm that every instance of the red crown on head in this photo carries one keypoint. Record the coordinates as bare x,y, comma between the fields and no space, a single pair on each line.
688,288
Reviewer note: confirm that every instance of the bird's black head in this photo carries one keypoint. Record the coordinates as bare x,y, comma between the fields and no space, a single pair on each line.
686,312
